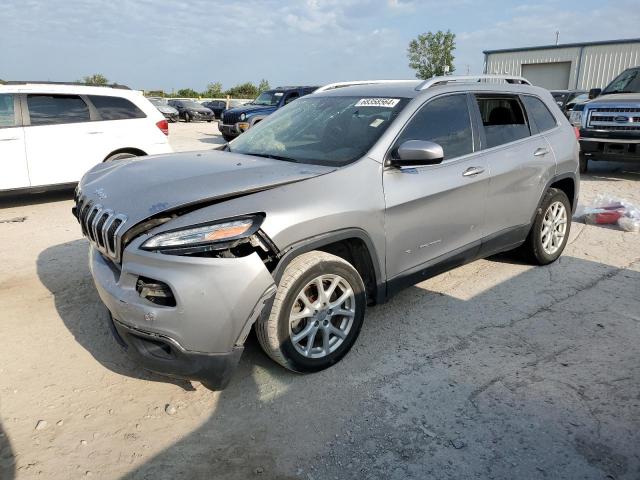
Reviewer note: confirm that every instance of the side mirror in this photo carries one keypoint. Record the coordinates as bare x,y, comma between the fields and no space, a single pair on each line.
594,92
413,153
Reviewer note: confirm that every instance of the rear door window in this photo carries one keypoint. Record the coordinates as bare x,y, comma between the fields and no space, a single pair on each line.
445,121
7,114
503,119
45,109
115,108
539,112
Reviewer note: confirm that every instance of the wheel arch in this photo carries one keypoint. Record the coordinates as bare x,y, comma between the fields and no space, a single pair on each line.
353,245
568,183
134,151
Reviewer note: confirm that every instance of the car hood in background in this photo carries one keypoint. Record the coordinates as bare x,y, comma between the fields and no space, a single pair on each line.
167,109
617,98
250,109
142,187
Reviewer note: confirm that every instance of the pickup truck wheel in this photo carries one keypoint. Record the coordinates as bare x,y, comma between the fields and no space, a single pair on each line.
584,163
316,315
550,230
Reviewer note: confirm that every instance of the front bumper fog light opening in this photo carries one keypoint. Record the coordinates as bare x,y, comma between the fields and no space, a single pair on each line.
155,291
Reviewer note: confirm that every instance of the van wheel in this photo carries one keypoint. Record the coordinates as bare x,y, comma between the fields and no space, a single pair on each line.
316,315
119,156
550,230
584,163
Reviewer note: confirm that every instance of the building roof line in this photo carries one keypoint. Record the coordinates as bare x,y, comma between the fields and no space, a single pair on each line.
564,45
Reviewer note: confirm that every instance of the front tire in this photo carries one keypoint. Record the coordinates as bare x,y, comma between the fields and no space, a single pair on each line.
317,313
187,117
550,230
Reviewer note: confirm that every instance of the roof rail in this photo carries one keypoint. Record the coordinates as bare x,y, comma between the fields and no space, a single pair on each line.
35,82
333,86
433,81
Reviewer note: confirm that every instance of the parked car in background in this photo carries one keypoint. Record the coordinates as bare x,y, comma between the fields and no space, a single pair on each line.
51,133
610,123
237,120
219,106
338,201
567,99
192,111
164,108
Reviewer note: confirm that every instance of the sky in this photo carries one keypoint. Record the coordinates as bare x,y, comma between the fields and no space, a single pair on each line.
160,44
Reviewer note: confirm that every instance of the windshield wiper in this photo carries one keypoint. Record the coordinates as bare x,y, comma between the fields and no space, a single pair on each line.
268,155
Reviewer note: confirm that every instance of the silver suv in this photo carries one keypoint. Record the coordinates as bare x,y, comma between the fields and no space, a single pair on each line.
333,203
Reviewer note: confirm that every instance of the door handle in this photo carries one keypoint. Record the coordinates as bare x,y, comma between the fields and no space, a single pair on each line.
540,152
94,133
471,171
8,139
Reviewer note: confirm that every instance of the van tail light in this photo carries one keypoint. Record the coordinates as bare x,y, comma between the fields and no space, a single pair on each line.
164,126
576,130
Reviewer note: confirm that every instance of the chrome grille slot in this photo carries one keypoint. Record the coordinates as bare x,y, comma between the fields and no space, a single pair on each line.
101,226
614,118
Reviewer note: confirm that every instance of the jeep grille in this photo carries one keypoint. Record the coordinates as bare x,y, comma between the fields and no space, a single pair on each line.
101,226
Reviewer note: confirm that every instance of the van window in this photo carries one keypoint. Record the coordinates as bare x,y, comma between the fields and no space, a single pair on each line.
445,121
47,109
541,115
503,119
115,108
7,116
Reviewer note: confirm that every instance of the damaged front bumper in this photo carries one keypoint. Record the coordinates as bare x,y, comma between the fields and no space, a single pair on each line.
200,334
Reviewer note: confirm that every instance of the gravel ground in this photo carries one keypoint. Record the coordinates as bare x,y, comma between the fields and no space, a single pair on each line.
494,370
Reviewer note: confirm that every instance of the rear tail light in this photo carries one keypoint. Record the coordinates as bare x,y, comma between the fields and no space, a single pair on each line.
576,130
164,126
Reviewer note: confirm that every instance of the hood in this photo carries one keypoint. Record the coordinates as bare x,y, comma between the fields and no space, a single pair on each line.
617,98
249,109
199,109
145,186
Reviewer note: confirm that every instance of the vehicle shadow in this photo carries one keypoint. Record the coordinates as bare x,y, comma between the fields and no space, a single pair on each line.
360,418
24,199
7,458
63,270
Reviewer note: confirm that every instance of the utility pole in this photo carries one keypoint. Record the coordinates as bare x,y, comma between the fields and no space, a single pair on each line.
557,36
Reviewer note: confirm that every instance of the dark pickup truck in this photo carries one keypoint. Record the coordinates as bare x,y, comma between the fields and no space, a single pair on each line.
610,123
237,120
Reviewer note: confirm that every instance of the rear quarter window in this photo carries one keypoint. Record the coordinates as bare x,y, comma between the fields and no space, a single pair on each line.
7,117
115,108
541,115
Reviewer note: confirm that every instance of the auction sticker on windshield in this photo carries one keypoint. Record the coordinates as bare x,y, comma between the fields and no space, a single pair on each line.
378,102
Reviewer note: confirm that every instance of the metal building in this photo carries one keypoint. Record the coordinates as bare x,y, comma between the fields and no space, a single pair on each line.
572,65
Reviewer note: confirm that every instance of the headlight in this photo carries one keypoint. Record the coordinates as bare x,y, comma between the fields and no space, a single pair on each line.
575,118
205,235
242,117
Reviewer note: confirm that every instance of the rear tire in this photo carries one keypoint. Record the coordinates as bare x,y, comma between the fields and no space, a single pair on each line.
311,329
584,163
550,230
187,117
120,156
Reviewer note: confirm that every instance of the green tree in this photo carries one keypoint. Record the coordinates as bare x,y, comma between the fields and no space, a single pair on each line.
187,93
430,53
263,86
214,90
95,79
244,90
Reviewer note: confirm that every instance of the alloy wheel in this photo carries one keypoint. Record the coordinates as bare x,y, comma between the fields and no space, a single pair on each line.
554,228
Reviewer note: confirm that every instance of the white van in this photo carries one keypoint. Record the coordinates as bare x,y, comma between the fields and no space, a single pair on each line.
51,133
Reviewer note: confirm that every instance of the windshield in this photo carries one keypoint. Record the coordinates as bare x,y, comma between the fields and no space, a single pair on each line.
330,131
268,98
627,82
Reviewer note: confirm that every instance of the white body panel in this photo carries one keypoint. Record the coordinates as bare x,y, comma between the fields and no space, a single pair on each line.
42,155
